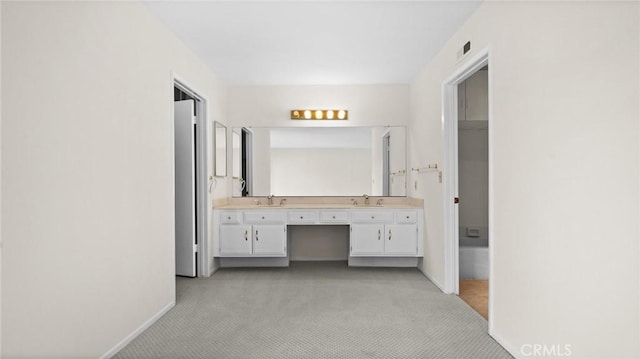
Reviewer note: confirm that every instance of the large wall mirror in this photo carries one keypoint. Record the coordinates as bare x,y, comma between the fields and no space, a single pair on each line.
220,149
319,161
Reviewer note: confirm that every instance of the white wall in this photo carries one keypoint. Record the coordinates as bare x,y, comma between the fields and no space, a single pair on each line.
368,105
565,158
398,161
87,177
320,172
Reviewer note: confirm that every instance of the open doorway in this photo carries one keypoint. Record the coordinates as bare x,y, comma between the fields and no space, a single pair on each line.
246,164
473,191
467,168
190,173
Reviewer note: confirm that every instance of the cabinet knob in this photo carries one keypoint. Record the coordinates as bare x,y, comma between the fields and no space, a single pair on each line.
334,217
262,217
407,217
301,217
373,217
228,217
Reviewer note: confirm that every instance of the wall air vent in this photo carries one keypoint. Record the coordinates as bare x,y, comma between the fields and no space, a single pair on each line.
464,50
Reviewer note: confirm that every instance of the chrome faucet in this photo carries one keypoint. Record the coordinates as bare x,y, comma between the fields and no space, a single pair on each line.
270,200
366,199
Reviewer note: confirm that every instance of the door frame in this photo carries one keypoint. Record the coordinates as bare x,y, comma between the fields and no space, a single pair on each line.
247,145
203,170
450,168
386,163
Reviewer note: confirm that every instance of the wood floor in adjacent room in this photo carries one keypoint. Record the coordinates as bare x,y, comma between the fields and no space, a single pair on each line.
475,292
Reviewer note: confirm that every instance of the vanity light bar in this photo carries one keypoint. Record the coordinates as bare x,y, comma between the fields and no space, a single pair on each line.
319,114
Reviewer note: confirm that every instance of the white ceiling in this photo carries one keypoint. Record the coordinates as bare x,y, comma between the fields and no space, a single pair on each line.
314,42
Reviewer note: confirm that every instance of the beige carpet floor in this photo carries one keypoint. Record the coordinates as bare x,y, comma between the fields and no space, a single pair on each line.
315,310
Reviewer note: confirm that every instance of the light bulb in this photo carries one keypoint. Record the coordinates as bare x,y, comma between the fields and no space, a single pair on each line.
318,114
341,114
330,114
307,114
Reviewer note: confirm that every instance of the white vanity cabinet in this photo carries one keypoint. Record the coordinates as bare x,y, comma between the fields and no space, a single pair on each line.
367,240
384,240
384,233
374,232
270,240
371,240
257,235
235,240
401,240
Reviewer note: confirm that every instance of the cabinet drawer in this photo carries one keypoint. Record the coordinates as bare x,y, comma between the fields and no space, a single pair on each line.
230,217
264,217
371,217
303,217
406,217
334,216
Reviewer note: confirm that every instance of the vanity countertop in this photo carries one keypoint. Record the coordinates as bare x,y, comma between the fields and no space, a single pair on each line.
256,203
319,206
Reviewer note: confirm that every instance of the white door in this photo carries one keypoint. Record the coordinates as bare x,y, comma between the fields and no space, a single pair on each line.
269,240
235,240
367,239
185,191
401,239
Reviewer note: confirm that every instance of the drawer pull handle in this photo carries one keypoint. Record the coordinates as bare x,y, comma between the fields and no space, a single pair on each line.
246,235
379,234
389,234
256,235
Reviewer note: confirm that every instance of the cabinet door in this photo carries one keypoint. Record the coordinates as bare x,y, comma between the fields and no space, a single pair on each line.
235,241
367,239
401,240
269,240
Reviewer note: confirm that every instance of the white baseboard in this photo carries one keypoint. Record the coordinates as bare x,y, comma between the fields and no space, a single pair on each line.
404,262
230,262
429,277
514,353
118,347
